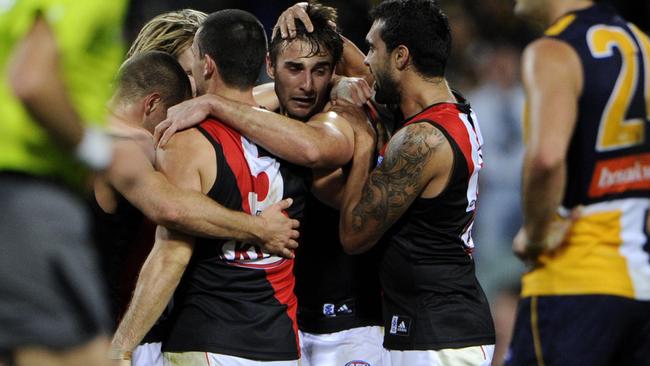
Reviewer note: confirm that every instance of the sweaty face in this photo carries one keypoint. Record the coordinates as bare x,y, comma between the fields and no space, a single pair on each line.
197,68
186,59
301,82
378,60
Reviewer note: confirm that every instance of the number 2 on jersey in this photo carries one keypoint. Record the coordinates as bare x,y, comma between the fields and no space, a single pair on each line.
615,132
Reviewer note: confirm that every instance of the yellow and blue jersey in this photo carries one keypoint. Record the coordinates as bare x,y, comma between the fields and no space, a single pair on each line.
608,164
88,38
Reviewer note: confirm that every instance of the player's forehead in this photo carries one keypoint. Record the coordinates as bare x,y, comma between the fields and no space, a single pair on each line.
373,37
302,51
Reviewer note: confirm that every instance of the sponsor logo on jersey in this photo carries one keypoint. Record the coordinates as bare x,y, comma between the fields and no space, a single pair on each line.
400,325
620,174
357,363
248,255
342,308
329,310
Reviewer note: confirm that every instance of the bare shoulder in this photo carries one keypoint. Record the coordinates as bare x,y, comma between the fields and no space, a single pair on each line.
549,59
417,153
186,147
418,139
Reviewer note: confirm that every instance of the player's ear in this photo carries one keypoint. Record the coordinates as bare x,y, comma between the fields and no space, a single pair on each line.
401,57
270,69
209,66
152,103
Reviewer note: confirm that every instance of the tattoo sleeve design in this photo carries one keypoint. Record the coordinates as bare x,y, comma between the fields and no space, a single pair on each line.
393,186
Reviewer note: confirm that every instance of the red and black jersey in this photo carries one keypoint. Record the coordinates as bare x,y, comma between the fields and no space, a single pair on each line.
432,299
235,298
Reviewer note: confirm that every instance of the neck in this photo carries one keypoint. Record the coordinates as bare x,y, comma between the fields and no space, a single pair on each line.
242,96
561,7
124,117
419,93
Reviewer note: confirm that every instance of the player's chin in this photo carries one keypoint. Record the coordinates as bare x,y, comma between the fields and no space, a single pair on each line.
301,112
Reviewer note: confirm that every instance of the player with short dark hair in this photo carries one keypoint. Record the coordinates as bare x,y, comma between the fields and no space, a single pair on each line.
235,303
420,200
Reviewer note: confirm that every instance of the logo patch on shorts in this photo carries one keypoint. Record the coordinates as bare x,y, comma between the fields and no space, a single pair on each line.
400,325
357,363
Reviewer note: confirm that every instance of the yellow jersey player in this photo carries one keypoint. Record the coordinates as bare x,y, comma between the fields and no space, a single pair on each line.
586,189
58,59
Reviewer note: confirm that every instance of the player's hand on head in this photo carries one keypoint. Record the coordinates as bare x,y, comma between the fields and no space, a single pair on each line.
286,23
281,231
351,89
180,117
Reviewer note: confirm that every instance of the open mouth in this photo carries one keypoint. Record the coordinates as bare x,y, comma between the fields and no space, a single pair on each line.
304,101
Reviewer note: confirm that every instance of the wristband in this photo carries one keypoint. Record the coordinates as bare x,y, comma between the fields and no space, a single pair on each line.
95,149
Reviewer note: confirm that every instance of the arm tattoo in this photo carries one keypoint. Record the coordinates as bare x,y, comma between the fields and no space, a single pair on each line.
393,186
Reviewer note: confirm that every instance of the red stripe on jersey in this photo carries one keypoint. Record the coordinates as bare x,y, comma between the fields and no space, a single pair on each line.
283,282
230,141
446,115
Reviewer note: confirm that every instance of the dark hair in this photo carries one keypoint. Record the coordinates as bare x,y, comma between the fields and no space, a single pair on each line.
324,38
236,41
154,71
422,27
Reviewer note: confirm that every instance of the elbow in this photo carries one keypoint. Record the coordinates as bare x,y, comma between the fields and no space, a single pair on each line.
320,158
352,249
26,86
545,162
167,215
312,157
351,245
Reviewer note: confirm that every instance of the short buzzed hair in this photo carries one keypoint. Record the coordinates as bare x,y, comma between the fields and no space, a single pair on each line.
323,39
153,72
236,41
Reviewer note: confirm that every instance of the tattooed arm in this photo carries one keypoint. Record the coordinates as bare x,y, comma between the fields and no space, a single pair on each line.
418,161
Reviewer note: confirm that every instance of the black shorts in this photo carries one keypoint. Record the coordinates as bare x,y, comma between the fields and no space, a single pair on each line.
581,330
50,289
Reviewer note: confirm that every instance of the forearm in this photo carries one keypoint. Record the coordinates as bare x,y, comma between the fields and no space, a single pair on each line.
288,139
352,64
36,81
543,189
359,230
264,95
159,277
189,211
195,214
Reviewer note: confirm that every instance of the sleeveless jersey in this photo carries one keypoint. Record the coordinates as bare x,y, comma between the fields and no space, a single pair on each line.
88,37
432,299
336,291
234,298
608,164
124,240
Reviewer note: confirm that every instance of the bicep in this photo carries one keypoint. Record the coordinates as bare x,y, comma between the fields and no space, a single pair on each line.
414,157
551,74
